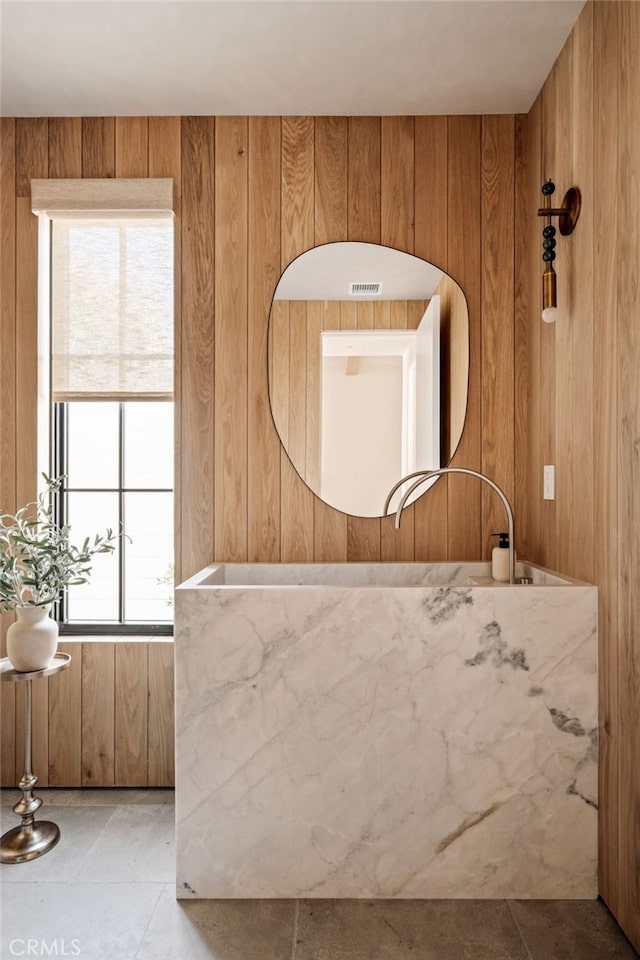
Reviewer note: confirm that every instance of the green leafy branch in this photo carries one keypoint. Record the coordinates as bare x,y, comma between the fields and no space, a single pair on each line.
37,560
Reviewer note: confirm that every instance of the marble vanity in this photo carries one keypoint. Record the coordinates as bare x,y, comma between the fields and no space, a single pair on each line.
385,730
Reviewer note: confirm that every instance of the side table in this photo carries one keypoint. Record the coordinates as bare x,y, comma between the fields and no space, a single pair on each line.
31,839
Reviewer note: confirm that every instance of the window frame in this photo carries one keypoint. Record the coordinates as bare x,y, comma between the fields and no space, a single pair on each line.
59,434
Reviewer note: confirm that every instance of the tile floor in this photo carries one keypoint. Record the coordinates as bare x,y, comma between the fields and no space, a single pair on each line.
106,891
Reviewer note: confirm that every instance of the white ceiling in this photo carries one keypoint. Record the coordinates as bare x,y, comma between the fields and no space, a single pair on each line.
316,57
325,273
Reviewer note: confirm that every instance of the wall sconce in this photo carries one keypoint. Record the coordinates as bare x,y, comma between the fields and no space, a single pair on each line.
567,215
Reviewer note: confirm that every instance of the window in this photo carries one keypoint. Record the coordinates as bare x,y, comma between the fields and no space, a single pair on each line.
118,461
111,392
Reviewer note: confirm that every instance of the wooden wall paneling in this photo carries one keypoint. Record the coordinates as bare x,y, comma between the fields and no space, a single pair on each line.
298,192
550,348
132,146
533,295
131,713
263,468
379,316
628,245
297,235
32,161
65,147
363,223
397,189
98,713
464,244
161,764
7,408
498,309
605,356
581,279
32,153
330,179
524,252
431,226
230,406
280,361
297,402
98,147
197,345
431,195
315,317
397,205
363,179
566,374
64,727
330,206
165,161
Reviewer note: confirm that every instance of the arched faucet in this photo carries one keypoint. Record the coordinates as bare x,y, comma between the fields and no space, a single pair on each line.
425,475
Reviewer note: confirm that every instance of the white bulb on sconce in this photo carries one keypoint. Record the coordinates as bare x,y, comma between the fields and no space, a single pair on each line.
550,314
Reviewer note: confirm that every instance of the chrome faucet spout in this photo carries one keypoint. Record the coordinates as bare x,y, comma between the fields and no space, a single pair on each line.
424,475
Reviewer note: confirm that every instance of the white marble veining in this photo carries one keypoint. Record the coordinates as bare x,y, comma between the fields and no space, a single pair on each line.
352,738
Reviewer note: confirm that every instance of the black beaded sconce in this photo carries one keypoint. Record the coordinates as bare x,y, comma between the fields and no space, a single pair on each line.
567,215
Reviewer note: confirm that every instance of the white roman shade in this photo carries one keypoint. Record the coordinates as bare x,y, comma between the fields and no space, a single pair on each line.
112,303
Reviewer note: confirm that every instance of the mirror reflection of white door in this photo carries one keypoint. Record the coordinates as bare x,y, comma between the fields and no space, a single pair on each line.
379,410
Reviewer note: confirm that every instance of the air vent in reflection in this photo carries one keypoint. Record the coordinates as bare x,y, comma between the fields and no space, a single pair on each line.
365,289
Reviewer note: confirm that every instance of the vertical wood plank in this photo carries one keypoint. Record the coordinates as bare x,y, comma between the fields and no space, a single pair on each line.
498,183
161,713
230,406
32,153
315,316
397,191
297,226
98,147
363,179
330,525
298,195
297,405
463,259
628,245
197,345
280,355
363,223
7,407
567,374
330,179
65,744
132,146
98,714
164,138
65,147
523,254
263,468
534,331
431,195
605,357
551,349
131,713
431,229
397,182
580,263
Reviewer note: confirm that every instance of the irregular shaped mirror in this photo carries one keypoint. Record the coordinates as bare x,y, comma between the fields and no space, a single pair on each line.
368,370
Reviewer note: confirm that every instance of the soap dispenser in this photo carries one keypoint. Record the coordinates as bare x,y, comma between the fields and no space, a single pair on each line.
500,557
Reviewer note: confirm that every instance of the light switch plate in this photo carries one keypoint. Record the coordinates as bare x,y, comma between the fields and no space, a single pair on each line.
549,482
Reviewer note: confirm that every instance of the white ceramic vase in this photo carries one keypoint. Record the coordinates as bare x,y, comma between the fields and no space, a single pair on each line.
32,639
